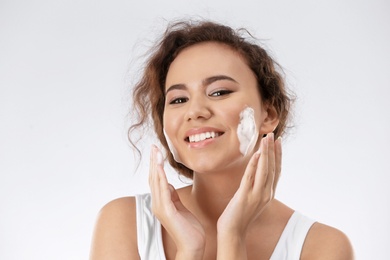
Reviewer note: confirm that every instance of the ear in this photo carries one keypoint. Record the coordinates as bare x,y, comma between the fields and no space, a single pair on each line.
270,119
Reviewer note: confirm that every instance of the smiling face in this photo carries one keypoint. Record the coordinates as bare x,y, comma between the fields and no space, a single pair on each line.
208,86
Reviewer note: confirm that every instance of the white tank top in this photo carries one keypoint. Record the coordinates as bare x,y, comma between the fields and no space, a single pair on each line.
150,244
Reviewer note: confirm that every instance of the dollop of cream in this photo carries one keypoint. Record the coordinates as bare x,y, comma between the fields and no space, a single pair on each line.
172,148
246,131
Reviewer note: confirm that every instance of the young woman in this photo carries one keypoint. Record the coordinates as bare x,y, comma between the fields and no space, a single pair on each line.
219,107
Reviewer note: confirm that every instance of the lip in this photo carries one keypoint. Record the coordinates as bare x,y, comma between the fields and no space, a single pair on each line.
201,130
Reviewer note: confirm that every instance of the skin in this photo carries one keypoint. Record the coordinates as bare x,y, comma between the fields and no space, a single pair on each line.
229,212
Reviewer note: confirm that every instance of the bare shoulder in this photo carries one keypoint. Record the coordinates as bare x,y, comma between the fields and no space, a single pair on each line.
115,235
325,242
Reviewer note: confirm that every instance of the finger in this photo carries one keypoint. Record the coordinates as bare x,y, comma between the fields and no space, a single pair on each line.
166,192
262,168
271,165
157,178
153,180
278,162
175,198
155,161
152,164
158,167
152,168
174,195
161,184
162,179
250,171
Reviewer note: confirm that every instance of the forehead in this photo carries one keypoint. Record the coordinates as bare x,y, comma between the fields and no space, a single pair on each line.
207,59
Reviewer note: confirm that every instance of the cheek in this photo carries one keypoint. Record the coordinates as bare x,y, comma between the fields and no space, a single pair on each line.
172,122
169,123
168,131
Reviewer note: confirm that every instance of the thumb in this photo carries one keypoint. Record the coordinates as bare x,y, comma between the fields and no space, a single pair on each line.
174,195
176,199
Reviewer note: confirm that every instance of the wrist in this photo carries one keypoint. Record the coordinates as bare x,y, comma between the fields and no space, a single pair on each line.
231,245
232,234
231,238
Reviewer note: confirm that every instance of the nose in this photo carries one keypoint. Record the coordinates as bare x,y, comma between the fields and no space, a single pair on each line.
198,109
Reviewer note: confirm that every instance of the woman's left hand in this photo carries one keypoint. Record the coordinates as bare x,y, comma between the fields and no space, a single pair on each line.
257,189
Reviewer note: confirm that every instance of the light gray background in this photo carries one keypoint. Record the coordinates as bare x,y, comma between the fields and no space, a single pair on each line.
65,67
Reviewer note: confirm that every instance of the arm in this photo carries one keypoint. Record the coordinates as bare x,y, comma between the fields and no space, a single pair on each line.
115,234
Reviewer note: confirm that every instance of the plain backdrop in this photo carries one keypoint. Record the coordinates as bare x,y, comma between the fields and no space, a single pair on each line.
66,69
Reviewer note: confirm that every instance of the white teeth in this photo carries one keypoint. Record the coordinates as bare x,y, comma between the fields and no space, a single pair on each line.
202,136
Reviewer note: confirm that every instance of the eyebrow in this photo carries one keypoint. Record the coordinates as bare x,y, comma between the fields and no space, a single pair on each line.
205,82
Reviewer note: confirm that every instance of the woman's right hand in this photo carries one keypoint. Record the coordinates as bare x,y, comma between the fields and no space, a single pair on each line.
185,230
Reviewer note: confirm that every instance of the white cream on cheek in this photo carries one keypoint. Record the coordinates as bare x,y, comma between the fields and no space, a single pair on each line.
172,148
246,131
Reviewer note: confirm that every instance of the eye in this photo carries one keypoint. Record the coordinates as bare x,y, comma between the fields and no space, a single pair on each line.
221,92
178,100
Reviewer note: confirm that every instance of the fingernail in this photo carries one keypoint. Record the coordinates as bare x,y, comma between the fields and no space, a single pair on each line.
271,136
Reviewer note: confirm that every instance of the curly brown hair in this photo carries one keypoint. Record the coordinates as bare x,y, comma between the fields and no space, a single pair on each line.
149,97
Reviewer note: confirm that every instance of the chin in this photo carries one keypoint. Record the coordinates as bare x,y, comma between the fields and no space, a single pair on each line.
216,165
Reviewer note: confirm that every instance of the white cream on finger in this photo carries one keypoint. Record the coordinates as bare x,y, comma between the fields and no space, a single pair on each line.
246,131
159,158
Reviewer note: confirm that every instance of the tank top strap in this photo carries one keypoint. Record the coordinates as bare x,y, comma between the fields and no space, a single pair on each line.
293,237
149,236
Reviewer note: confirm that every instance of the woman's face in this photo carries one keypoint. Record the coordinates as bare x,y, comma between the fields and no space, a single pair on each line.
207,86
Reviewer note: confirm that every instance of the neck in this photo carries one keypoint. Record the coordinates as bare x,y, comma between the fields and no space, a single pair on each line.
211,192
